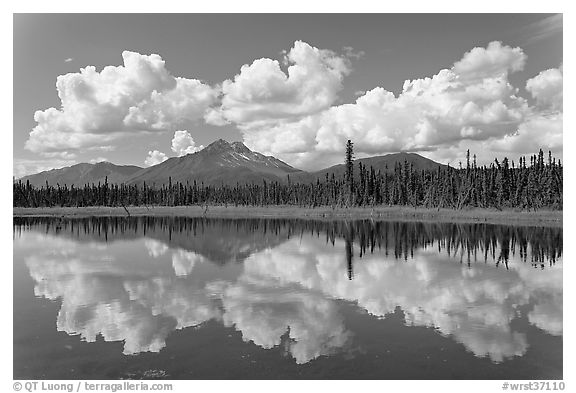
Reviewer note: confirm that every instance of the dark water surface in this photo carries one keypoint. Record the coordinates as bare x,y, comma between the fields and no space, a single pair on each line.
193,298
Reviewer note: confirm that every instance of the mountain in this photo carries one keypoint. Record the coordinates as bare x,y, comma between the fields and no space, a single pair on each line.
379,163
219,163
83,173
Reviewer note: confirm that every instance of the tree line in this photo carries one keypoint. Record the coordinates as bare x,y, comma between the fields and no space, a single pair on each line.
500,185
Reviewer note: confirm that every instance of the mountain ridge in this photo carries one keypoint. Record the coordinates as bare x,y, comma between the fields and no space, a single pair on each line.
219,163
383,163
82,173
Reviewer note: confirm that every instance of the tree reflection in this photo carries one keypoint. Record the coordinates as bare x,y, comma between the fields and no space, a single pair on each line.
540,246
138,279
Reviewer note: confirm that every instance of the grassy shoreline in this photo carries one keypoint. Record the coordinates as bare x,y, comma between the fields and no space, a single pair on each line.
508,217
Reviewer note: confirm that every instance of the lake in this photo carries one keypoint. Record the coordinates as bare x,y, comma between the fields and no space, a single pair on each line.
197,298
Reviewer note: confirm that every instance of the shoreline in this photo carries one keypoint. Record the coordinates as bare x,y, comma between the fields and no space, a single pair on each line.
382,213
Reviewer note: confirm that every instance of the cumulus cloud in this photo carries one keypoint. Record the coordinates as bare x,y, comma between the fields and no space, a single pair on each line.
263,92
288,107
68,60
538,130
541,127
471,105
183,144
473,100
215,117
546,88
495,60
155,157
100,107
182,105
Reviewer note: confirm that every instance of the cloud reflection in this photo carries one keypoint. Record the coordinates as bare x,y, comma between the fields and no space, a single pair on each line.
139,291
473,305
264,311
139,302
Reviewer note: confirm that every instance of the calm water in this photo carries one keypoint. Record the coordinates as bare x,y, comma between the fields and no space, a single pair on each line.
184,298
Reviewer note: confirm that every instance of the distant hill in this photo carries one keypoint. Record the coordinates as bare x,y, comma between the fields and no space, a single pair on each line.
219,163
83,173
379,163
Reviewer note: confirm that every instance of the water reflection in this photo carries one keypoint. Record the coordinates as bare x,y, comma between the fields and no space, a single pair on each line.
279,282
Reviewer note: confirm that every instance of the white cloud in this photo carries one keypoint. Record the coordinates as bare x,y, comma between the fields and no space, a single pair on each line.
100,107
353,54
496,60
183,144
180,106
544,28
215,117
60,154
155,157
544,130
473,100
24,167
68,60
286,108
547,88
98,159
263,92
542,127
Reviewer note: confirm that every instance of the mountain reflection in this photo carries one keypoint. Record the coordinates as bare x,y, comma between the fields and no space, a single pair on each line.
137,280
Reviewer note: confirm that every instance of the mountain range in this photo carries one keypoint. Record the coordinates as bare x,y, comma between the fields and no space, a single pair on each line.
83,173
219,163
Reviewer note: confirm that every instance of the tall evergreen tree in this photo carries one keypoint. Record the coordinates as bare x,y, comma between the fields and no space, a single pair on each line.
350,171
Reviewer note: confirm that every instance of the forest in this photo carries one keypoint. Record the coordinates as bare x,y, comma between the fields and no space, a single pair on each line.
501,185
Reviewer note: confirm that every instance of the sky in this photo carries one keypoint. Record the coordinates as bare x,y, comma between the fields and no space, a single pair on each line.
140,88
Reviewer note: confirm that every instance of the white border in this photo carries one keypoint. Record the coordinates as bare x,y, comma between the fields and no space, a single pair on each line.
300,6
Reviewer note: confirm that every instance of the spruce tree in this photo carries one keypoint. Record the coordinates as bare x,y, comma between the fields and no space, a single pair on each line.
350,171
